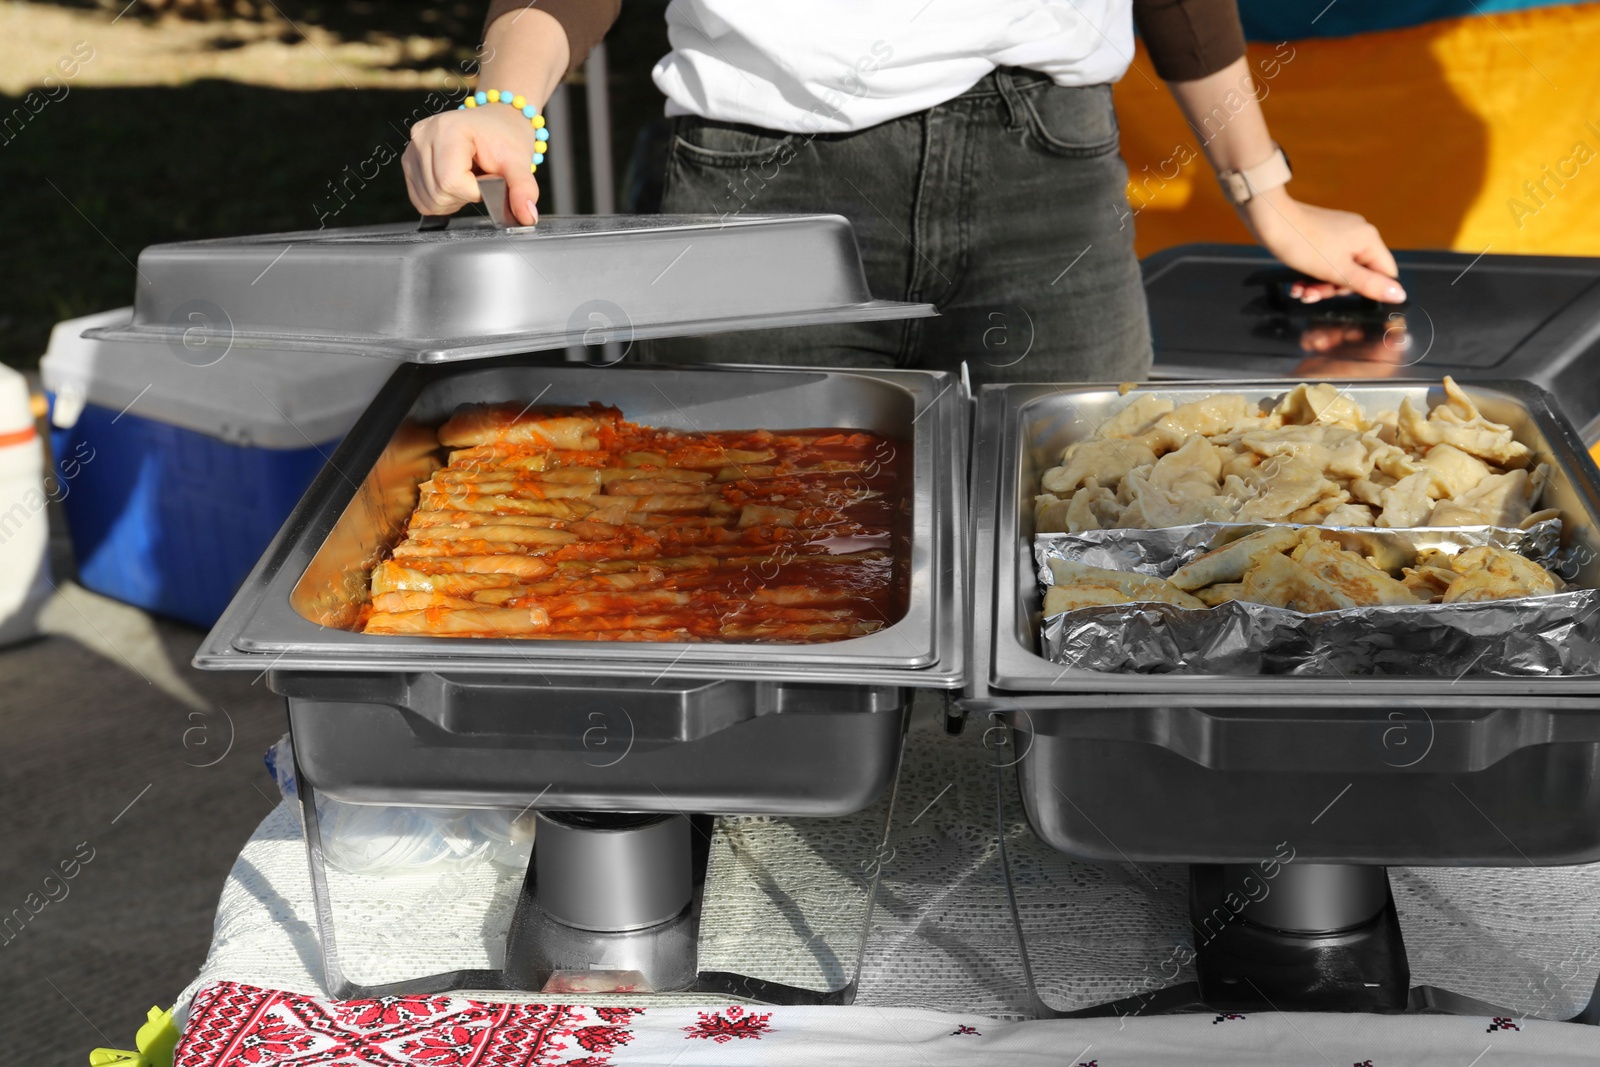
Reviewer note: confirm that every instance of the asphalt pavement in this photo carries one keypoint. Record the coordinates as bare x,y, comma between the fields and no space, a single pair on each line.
128,783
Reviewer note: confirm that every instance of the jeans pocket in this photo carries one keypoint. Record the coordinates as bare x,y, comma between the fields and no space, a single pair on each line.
726,144
1077,121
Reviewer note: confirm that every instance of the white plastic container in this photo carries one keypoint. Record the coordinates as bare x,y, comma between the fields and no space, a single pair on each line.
25,495
179,463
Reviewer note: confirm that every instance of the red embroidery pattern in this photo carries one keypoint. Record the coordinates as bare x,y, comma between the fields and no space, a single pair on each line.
1502,1024
1225,1016
233,1025
387,1011
963,1030
445,1047
273,1040
1363,1063
602,1038
723,1027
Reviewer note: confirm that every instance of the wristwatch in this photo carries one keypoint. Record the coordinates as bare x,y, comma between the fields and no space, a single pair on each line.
1240,185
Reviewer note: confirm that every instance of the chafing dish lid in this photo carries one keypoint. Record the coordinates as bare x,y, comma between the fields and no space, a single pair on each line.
475,289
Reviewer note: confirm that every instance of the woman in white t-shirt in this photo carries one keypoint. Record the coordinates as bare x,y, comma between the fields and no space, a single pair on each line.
971,143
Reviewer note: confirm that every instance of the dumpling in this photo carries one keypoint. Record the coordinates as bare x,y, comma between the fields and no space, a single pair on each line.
1489,573
1083,581
1228,563
1107,461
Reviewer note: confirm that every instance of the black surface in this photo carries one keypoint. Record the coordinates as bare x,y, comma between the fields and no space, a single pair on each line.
1236,303
1223,311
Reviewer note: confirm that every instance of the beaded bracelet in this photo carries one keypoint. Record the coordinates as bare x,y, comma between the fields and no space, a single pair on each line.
541,135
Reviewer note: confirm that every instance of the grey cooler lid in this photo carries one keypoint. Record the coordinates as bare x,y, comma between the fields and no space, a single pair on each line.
476,288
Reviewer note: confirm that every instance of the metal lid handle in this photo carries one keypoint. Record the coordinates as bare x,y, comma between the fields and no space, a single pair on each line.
493,189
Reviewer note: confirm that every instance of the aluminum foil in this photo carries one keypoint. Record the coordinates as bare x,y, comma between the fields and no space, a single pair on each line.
1546,636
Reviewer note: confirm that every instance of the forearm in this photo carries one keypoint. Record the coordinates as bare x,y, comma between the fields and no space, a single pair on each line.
1224,112
583,22
1341,250
527,52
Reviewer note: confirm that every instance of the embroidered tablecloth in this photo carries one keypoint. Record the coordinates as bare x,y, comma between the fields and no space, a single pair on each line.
233,1025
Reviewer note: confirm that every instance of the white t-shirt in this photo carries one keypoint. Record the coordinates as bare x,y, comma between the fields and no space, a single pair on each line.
829,66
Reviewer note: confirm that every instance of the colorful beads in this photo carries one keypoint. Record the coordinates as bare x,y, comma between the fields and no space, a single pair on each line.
541,135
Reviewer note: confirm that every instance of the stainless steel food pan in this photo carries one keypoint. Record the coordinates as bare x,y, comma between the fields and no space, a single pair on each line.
1020,433
474,290
297,610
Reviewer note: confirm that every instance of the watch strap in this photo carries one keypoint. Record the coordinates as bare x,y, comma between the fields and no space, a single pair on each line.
1241,185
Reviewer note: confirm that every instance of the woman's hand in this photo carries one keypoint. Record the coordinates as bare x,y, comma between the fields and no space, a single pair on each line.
525,51
450,150
1341,248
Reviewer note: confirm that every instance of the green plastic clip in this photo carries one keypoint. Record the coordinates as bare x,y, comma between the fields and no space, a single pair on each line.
156,1040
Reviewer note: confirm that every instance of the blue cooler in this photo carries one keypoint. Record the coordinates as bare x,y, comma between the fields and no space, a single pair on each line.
175,475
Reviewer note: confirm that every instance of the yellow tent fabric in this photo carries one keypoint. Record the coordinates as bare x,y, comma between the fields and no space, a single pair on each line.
1475,134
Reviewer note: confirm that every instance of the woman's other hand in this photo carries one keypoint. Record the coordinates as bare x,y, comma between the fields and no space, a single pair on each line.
1340,248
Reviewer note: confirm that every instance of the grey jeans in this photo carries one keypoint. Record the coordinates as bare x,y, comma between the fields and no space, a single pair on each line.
1005,207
